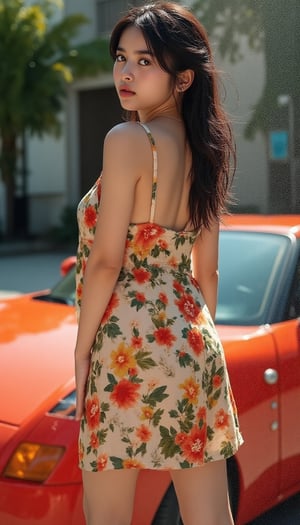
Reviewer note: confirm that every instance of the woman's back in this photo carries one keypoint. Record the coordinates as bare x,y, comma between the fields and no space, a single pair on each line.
173,180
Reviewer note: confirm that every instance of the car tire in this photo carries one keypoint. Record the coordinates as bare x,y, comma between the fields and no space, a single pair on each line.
168,510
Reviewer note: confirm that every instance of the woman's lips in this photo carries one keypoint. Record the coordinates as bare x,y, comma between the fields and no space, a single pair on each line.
126,92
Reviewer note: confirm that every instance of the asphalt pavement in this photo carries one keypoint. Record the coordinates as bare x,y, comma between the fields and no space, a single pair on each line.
24,271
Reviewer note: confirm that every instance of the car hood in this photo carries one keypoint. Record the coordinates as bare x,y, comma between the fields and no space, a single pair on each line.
37,342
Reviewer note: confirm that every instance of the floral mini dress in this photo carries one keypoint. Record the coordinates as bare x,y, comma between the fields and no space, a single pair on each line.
158,394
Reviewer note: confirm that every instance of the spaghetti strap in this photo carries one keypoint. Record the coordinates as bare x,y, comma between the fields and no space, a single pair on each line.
154,177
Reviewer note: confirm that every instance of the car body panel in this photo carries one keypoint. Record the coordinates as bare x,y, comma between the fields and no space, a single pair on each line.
37,341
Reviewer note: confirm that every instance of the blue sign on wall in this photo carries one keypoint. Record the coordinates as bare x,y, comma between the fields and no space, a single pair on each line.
279,145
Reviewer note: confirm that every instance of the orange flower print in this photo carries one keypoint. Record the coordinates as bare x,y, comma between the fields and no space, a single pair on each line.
217,381
163,298
195,340
146,237
80,450
113,303
191,390
147,413
164,336
143,433
141,276
125,394
122,360
187,306
132,463
92,409
222,419
94,441
137,342
180,438
79,291
201,414
163,244
102,462
193,446
90,217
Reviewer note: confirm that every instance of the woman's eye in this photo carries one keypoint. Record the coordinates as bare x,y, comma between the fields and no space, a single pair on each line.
144,62
120,58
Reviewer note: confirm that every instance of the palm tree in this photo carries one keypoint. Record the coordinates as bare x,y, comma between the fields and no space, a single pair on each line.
37,60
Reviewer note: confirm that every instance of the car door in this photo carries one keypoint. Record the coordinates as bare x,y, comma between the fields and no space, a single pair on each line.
287,340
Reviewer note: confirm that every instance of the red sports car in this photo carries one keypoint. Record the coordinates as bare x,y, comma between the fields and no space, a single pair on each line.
258,320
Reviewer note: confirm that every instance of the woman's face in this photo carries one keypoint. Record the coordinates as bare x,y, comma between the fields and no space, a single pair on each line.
140,82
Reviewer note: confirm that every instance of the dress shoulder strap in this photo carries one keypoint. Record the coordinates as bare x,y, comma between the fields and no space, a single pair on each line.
154,177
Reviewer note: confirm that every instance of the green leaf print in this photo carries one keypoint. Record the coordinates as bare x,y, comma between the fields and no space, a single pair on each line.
226,450
150,338
155,397
167,442
112,330
141,449
210,433
112,382
173,413
144,360
156,417
117,462
185,464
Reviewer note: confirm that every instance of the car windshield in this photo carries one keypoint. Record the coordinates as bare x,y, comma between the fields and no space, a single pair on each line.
250,265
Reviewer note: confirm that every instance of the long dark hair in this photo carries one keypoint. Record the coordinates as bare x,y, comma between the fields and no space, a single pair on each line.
179,42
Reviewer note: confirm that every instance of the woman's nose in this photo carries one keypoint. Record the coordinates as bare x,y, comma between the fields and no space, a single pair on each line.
127,73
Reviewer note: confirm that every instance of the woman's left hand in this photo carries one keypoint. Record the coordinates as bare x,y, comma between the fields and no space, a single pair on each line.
82,366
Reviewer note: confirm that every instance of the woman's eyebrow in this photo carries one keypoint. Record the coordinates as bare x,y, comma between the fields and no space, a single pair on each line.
137,52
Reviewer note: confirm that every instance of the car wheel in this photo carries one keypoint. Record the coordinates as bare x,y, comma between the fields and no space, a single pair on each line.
168,511
233,485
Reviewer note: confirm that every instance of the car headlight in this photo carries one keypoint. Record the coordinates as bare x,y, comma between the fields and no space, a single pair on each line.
65,406
33,461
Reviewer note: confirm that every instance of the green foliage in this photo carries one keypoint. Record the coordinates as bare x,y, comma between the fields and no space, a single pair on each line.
67,231
38,60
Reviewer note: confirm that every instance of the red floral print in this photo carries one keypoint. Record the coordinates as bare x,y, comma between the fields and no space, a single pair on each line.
90,217
92,409
143,433
141,276
164,336
188,307
163,298
94,441
102,462
194,445
137,342
217,381
113,303
222,419
147,235
195,341
125,394
140,297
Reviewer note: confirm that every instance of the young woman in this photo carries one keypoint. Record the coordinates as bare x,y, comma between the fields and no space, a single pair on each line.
152,385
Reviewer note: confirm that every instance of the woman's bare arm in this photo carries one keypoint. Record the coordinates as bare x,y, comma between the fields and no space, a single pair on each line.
205,256
119,177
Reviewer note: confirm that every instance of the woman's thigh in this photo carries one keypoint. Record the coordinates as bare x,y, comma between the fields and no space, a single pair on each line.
202,494
108,497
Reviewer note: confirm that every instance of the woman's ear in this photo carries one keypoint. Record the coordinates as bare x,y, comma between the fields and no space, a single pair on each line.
184,80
